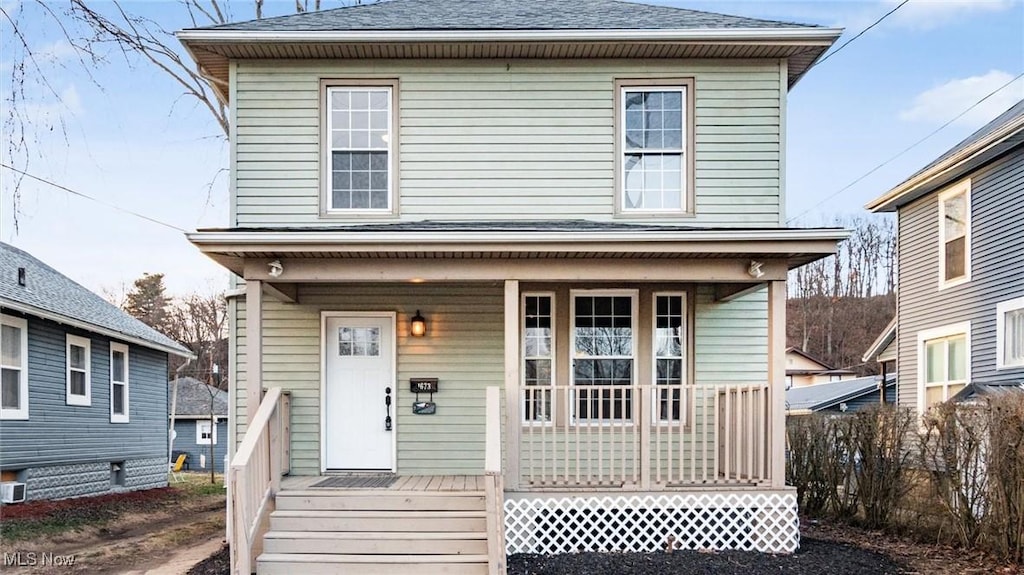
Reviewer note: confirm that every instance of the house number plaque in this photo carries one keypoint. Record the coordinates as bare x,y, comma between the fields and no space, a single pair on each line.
420,385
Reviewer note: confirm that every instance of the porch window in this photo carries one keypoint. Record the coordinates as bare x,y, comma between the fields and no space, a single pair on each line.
669,338
118,383
538,355
79,388
604,349
944,363
1010,334
359,141
955,235
13,367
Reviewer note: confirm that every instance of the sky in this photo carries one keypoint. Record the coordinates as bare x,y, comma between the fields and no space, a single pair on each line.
124,134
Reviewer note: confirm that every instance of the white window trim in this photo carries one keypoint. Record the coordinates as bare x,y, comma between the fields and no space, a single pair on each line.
684,149
74,399
1003,308
22,411
924,336
552,357
964,188
199,432
683,400
119,417
634,296
326,198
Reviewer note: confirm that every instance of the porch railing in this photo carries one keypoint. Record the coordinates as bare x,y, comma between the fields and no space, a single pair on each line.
254,478
644,436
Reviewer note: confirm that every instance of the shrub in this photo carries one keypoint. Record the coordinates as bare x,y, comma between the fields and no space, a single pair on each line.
878,437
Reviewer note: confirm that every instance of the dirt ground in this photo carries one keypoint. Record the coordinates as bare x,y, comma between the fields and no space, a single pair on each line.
164,539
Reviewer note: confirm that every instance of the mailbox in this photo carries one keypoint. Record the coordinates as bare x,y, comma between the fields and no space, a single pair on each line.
420,385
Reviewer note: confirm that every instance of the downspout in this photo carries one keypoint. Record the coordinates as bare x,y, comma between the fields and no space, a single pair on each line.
881,384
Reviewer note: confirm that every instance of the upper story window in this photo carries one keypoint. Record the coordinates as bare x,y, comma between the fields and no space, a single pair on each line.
359,153
1010,334
654,157
943,364
955,234
118,383
79,388
13,367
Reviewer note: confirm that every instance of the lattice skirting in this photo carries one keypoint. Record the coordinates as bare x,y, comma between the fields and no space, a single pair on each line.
764,521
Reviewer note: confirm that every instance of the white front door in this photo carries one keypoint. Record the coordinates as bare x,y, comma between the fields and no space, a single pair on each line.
359,363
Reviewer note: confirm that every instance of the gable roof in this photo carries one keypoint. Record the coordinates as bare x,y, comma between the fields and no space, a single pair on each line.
505,29
820,396
50,294
881,342
989,142
194,398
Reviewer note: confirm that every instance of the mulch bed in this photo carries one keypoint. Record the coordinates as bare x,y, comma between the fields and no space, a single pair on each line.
217,564
98,504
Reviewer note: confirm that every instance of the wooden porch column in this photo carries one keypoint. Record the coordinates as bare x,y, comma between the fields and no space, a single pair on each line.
253,348
512,417
777,381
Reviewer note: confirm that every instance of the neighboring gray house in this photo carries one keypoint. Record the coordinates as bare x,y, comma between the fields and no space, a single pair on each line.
841,396
960,304
191,421
83,406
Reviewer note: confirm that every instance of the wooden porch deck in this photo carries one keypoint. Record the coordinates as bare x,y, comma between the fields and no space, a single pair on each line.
419,483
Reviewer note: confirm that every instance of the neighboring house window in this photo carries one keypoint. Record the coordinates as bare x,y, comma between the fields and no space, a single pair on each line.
835,378
79,386
359,148
944,363
205,432
538,355
118,383
13,367
604,352
955,234
789,381
669,362
654,158
1010,333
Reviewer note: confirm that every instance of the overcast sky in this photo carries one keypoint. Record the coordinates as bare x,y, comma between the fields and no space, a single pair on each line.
131,140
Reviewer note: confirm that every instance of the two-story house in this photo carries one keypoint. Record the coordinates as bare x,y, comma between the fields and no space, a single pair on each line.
533,252
83,401
960,299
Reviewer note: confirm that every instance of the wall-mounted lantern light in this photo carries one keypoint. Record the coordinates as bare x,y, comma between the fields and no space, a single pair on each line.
418,326
754,270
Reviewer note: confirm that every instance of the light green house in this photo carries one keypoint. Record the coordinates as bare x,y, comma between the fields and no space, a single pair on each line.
582,202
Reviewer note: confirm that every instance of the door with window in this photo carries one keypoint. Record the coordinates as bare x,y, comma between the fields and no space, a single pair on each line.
358,432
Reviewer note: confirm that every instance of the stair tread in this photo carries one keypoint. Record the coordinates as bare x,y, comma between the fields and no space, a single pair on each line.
327,492
388,513
371,535
398,559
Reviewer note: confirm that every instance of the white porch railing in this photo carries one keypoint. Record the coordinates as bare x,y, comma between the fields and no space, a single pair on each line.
254,478
644,437
495,489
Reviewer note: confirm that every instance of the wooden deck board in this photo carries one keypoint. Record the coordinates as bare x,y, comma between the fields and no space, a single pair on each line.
402,483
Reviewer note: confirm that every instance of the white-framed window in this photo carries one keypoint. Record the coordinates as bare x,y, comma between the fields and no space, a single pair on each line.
359,147
79,370
205,432
653,135
955,234
789,381
1010,334
118,383
944,363
538,355
604,354
13,367
669,356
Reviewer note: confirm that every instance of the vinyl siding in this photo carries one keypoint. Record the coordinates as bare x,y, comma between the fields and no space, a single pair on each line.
60,434
997,256
186,441
501,139
464,350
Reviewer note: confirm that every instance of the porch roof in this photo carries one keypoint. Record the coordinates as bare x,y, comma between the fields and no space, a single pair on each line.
515,240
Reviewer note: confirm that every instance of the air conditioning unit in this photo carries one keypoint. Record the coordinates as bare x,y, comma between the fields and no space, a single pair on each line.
12,492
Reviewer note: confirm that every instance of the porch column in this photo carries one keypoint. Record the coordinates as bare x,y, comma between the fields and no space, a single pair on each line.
253,348
512,362
777,381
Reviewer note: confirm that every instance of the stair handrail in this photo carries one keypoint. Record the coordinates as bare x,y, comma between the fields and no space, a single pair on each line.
494,484
254,478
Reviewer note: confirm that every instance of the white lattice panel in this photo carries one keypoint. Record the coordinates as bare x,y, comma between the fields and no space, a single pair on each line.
645,523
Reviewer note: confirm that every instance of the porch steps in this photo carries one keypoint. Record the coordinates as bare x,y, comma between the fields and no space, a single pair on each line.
374,532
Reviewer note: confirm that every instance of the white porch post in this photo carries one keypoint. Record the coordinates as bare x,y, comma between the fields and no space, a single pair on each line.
777,381
512,362
253,348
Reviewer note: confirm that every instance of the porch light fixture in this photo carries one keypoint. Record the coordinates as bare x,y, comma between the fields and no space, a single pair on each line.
276,269
418,326
754,270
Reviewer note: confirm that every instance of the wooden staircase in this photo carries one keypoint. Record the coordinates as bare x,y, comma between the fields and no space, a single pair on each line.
367,532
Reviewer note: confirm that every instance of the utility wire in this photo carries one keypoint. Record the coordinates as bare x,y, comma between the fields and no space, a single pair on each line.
861,33
905,150
88,197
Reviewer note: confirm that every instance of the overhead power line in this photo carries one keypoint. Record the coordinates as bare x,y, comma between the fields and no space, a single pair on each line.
905,150
861,33
88,197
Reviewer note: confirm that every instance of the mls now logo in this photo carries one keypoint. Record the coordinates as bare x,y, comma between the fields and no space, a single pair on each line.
31,559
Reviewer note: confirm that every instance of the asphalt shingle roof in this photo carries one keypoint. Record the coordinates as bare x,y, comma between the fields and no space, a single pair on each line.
48,290
821,395
194,398
503,15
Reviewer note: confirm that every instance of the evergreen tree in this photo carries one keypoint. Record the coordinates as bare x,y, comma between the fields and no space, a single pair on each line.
148,303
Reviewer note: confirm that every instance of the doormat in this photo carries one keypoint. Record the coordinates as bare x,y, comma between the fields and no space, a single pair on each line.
358,481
